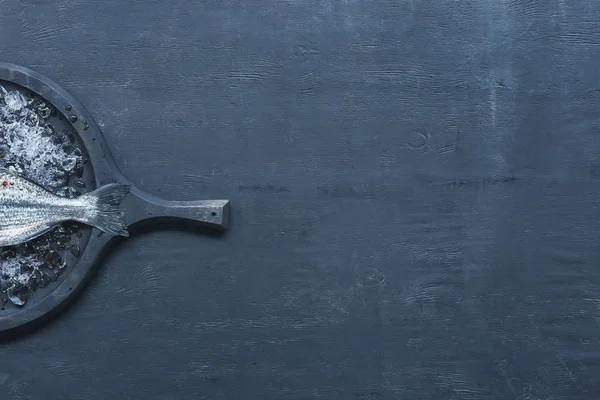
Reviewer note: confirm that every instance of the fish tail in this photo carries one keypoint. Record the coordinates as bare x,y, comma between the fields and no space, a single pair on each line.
103,211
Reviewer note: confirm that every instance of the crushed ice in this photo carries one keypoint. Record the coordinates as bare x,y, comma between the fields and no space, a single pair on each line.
30,146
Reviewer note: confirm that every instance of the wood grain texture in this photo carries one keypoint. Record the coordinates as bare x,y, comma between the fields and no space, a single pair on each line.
415,190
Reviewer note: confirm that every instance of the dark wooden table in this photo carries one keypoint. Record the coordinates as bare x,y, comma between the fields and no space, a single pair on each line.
415,190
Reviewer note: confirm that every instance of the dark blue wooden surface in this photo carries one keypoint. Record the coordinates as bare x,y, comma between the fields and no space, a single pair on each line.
415,189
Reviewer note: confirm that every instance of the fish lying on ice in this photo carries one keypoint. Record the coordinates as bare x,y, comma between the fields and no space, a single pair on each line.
28,210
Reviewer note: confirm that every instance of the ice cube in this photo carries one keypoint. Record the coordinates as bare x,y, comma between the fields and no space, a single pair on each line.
32,148
15,101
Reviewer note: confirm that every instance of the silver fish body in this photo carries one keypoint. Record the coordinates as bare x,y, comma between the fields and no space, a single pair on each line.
28,210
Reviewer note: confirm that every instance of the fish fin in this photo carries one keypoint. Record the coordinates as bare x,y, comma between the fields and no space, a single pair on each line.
27,233
105,213
27,238
7,173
